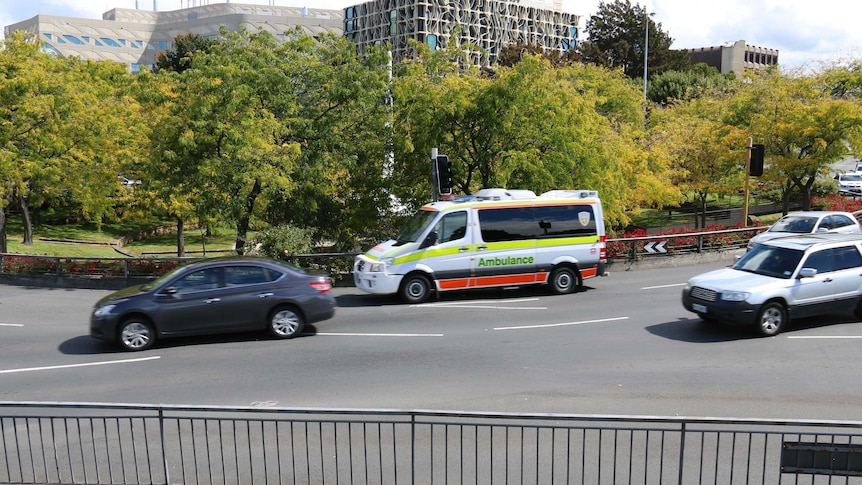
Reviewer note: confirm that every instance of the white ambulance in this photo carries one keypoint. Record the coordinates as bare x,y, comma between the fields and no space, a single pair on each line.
497,237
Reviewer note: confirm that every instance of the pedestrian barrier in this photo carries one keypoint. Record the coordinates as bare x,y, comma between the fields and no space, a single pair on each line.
81,443
116,273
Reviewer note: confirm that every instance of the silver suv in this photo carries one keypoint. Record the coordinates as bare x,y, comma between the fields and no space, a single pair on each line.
778,280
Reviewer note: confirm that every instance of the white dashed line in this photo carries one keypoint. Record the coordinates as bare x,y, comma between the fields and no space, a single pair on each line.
346,334
70,366
11,325
662,286
561,324
483,304
826,336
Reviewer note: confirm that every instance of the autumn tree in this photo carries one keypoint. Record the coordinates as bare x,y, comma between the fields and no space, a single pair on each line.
803,126
69,128
708,154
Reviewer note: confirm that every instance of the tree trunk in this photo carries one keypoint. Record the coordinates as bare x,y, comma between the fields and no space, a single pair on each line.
3,247
25,216
181,237
245,220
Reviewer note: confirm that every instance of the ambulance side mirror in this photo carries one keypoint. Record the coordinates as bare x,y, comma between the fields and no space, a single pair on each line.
430,240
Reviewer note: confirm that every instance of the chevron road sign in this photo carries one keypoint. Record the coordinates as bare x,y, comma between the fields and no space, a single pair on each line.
655,247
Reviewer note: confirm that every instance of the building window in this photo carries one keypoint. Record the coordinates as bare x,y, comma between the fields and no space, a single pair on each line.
393,22
109,42
73,40
432,41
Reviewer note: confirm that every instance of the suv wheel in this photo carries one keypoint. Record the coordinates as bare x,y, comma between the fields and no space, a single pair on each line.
771,319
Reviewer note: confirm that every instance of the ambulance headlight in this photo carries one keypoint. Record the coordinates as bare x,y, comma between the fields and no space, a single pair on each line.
380,266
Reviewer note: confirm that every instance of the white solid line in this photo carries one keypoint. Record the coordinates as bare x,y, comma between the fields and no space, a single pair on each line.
561,324
69,366
662,286
11,325
346,334
827,336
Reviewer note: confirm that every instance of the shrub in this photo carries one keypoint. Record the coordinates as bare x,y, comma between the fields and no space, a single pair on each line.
281,240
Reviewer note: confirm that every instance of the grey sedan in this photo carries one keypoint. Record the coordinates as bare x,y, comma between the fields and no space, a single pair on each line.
214,296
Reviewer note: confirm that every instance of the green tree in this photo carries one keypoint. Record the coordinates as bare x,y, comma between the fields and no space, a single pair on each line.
179,57
698,81
530,126
618,36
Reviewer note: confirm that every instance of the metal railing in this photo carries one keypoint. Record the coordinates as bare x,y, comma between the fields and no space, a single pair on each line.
80,443
96,272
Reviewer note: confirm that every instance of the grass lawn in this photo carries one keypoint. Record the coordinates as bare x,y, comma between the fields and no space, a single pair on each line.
89,241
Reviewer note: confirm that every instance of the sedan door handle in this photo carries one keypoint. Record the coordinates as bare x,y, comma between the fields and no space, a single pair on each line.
212,300
264,295
827,280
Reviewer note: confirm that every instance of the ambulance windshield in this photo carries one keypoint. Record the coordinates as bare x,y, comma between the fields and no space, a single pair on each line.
416,226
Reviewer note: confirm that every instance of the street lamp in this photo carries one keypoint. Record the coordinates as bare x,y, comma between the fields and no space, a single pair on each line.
646,48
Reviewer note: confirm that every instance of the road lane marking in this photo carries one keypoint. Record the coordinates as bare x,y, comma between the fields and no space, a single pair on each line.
69,366
826,336
546,325
482,304
662,286
11,325
348,334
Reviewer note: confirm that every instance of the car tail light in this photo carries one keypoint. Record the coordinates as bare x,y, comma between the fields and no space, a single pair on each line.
321,286
603,251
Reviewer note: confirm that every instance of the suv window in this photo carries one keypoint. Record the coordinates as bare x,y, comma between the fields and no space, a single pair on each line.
834,259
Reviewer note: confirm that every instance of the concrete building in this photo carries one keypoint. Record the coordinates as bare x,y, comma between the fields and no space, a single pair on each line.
134,37
734,56
489,24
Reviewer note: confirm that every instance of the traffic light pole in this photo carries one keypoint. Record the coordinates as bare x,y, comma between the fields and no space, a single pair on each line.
434,175
746,185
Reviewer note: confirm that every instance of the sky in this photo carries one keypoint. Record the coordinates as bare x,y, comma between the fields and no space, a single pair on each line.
805,33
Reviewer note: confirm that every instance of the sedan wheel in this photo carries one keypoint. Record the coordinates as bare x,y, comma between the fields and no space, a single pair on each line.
772,319
285,323
136,334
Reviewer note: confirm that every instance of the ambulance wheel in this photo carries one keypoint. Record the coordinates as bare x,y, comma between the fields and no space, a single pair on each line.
564,280
415,288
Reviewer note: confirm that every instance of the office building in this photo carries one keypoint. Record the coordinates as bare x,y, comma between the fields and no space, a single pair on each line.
734,56
135,36
489,24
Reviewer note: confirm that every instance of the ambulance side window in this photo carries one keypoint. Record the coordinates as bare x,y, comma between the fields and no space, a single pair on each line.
451,227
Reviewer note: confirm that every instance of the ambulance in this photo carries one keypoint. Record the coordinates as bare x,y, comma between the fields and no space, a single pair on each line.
495,238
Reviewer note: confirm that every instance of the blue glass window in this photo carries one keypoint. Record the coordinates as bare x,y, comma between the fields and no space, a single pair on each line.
432,41
73,40
110,42
393,22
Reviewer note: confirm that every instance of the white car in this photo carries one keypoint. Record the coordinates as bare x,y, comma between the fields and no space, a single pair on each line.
809,222
782,279
850,184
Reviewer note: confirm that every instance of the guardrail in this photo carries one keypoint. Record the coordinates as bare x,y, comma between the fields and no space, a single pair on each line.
80,443
114,273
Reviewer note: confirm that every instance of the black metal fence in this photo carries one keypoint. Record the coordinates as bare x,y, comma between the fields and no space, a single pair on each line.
81,443
92,272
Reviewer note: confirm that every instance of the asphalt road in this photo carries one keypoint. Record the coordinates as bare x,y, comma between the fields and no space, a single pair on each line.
624,345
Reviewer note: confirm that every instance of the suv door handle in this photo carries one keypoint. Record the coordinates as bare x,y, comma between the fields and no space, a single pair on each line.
827,280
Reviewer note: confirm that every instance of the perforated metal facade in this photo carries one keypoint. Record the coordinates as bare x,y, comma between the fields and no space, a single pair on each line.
489,24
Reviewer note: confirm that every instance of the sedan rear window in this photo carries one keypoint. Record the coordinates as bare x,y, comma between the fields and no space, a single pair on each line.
770,261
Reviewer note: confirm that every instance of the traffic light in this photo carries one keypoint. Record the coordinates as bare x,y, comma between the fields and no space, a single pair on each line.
444,174
755,167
